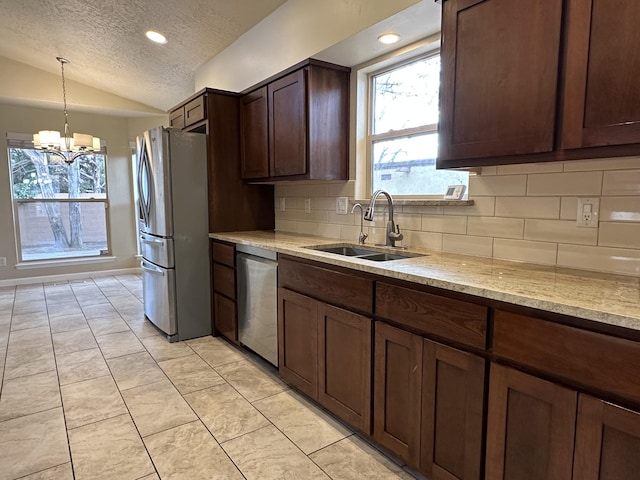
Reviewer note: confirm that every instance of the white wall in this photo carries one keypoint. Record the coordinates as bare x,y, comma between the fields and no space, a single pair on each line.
297,30
116,132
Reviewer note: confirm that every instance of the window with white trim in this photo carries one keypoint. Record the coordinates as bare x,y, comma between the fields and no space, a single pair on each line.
403,130
60,211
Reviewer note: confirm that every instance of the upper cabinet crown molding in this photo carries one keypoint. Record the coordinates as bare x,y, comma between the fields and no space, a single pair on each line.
542,80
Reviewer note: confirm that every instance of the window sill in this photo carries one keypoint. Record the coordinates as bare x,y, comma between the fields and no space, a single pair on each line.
421,203
63,262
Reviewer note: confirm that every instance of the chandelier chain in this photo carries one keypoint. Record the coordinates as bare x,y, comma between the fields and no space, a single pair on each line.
67,129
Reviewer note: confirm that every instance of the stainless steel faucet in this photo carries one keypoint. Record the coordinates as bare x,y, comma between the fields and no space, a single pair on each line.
393,230
363,236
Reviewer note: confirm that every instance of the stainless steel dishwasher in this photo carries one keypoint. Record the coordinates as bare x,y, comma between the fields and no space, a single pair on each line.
257,297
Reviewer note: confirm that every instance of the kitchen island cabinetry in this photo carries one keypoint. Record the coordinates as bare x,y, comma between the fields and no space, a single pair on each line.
295,125
225,312
324,350
552,81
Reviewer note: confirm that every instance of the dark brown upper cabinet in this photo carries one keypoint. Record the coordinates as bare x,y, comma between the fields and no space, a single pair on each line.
296,125
542,80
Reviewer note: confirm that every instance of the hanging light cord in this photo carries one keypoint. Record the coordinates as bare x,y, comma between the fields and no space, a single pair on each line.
67,129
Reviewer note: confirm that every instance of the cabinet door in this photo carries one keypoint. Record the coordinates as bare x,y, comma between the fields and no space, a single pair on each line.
176,118
499,78
344,365
531,427
224,317
601,94
607,441
288,125
397,387
298,340
254,134
452,410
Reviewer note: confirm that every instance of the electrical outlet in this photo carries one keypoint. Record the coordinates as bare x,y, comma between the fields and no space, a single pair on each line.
342,205
282,204
307,205
588,209
3,261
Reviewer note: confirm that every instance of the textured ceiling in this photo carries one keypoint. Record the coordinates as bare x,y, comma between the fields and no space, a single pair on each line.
105,42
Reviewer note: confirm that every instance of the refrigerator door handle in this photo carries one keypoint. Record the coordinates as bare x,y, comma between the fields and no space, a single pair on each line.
151,269
146,239
141,200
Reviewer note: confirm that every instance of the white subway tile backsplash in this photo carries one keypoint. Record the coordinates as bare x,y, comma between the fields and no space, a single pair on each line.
467,245
547,167
489,171
300,214
621,182
289,226
496,227
348,219
428,240
444,224
351,233
483,186
408,221
483,206
561,231
330,230
322,203
306,190
528,207
620,209
600,259
525,251
569,208
578,183
343,189
618,163
625,235
307,228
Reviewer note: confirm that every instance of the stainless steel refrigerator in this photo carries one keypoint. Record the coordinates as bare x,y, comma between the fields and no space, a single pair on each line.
174,231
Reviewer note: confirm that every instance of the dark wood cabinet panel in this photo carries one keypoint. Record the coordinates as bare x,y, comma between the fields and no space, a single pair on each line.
338,288
176,118
601,97
397,391
344,367
607,441
531,427
254,134
604,363
452,413
499,77
298,340
224,280
288,125
195,110
223,253
225,318
455,320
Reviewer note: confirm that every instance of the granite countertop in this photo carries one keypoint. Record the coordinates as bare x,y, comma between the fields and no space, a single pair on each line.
604,298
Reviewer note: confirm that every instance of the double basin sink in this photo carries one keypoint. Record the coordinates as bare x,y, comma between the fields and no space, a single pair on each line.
358,251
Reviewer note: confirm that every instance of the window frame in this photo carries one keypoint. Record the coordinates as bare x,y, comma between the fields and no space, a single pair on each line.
398,59
25,142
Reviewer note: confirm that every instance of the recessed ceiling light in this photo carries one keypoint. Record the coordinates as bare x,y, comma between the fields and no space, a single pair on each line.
388,38
156,37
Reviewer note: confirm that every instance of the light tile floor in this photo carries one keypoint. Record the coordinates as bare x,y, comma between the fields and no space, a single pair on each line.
91,390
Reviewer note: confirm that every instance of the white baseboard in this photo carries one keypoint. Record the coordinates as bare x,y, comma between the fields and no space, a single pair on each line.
68,276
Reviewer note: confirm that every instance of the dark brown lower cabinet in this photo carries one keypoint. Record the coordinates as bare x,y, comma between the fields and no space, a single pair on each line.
226,320
325,352
531,427
452,413
607,441
344,365
298,340
397,390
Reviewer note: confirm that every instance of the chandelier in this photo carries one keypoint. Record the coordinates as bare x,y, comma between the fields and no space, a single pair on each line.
65,145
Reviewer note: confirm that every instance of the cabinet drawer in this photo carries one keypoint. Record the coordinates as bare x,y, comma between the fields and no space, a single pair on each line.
224,280
608,364
223,253
194,111
224,317
338,288
176,118
456,320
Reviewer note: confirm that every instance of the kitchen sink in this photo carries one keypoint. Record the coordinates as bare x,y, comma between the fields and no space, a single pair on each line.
375,255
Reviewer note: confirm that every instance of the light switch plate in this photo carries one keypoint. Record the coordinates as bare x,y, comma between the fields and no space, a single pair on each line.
342,205
307,205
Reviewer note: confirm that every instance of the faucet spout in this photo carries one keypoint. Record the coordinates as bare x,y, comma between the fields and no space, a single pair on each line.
363,236
393,231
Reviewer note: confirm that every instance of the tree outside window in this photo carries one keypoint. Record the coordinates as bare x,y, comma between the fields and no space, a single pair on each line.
60,209
404,131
